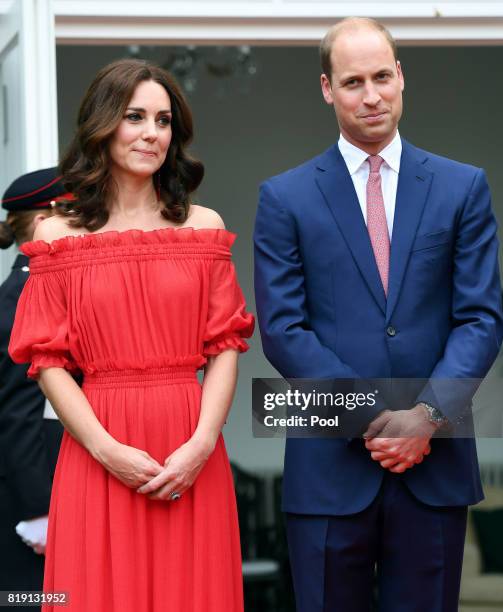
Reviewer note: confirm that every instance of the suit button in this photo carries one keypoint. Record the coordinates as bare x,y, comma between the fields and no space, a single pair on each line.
391,331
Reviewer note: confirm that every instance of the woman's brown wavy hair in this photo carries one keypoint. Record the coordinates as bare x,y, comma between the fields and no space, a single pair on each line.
86,165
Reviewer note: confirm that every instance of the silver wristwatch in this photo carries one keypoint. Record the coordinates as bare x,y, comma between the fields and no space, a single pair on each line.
434,415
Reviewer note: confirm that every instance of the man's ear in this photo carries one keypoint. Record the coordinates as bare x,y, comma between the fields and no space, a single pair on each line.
326,89
400,75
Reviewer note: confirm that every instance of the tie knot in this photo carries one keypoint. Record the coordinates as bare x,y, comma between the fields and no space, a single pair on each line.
375,162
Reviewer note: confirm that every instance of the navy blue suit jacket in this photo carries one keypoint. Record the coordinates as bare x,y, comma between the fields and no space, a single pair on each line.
323,312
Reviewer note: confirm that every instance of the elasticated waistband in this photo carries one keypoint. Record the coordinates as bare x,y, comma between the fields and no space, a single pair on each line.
169,375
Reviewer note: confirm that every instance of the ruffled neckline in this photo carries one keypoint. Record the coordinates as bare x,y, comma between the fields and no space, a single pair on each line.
131,237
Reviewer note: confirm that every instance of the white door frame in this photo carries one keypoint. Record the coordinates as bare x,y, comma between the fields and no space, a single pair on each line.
28,122
29,26
271,22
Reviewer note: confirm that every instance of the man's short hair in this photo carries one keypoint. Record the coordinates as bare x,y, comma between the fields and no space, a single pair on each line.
350,23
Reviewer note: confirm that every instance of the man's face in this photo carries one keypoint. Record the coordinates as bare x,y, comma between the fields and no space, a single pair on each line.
366,88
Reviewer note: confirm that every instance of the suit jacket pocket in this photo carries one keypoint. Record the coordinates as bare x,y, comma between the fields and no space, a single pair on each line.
431,241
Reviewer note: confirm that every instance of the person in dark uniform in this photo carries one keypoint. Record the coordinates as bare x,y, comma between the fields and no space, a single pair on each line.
29,432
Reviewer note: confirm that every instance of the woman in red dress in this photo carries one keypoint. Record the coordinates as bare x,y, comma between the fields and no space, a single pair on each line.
133,286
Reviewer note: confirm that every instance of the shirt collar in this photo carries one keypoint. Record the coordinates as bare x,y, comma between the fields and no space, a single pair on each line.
354,157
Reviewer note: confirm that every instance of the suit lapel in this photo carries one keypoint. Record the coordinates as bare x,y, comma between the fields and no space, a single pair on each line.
337,187
413,186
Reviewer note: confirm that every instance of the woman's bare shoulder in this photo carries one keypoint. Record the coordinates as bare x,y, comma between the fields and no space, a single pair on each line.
55,227
202,217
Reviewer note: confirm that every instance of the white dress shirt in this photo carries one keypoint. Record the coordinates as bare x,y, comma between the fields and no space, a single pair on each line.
359,169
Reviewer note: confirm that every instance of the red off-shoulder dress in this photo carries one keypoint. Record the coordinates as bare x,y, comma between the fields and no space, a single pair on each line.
137,313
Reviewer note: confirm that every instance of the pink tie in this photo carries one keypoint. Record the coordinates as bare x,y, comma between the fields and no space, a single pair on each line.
376,219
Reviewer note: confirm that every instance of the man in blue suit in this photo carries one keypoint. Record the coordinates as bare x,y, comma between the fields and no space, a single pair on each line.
378,260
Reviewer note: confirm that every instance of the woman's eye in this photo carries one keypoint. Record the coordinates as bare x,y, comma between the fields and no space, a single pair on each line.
133,116
165,120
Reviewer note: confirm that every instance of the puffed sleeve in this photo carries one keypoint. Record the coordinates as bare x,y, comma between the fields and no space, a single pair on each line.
40,332
228,323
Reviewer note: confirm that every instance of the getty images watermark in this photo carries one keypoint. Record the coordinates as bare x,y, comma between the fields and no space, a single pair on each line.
311,408
312,401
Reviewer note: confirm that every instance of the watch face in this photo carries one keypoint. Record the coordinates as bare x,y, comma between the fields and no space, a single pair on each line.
436,415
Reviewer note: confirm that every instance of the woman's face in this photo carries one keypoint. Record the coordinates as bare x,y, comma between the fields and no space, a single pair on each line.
141,140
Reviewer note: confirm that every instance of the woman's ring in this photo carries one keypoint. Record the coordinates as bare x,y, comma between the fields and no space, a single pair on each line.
174,496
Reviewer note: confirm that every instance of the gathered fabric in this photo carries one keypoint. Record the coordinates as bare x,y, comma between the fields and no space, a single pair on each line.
137,313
